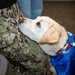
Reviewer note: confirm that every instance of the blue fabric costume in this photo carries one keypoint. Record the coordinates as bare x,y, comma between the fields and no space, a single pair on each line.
65,63
31,8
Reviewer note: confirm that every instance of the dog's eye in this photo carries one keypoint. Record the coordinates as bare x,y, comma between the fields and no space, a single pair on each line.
38,24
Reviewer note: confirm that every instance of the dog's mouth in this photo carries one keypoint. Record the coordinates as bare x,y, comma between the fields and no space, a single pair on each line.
21,19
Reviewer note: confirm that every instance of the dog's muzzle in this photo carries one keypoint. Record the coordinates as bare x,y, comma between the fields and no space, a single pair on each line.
21,19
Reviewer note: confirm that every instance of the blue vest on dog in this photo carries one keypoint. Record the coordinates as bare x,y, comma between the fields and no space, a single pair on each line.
65,63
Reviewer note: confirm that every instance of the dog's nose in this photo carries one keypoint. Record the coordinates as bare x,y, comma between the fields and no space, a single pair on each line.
21,19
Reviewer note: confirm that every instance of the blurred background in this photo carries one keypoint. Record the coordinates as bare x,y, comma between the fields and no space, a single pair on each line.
62,11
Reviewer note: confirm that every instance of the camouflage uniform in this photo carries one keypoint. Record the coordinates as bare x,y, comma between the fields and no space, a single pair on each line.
24,55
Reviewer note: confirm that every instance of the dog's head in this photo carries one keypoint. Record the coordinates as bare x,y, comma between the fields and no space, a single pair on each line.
42,29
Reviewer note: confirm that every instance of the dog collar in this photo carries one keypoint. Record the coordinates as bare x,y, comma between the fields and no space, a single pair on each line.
70,42
64,50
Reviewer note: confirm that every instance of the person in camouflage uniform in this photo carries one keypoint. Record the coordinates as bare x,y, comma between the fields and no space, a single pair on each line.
24,55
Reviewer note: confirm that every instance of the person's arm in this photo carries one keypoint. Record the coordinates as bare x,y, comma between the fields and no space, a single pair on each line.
6,3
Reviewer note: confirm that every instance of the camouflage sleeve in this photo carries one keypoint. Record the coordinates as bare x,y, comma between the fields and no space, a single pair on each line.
27,58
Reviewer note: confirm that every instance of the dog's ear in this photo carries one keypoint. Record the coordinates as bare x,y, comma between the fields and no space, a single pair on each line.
50,36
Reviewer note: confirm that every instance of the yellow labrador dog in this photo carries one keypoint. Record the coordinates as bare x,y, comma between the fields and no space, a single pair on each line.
49,34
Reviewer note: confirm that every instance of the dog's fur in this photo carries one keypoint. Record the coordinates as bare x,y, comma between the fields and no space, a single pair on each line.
50,35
